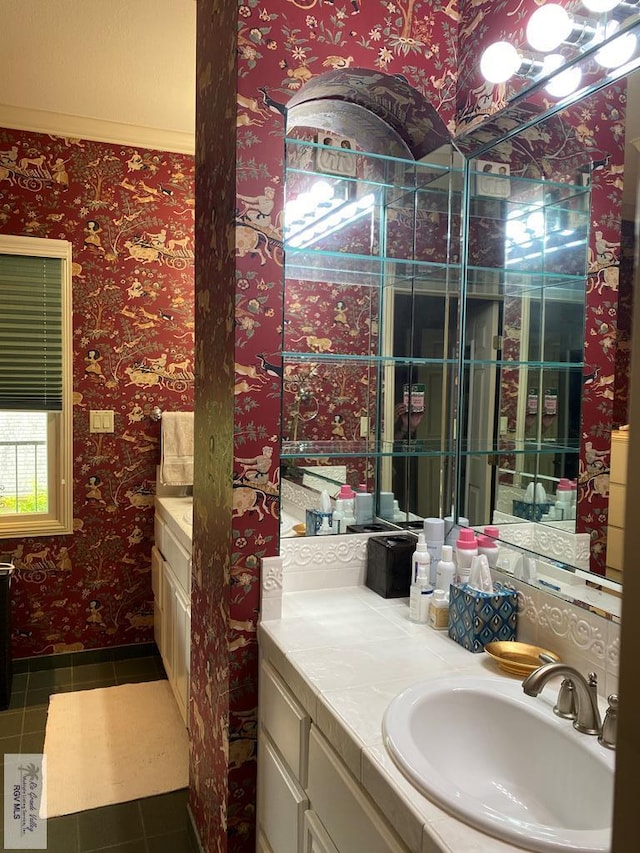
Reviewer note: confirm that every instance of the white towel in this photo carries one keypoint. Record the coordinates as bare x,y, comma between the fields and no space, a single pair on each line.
176,465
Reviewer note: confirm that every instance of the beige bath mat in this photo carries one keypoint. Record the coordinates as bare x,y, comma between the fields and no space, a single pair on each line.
113,745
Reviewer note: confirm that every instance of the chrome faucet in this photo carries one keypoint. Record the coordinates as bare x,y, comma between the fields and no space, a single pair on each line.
587,713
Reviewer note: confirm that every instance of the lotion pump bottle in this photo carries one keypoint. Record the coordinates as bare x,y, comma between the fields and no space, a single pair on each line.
420,595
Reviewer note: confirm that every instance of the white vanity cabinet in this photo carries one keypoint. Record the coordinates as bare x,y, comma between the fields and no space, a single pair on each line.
308,802
171,584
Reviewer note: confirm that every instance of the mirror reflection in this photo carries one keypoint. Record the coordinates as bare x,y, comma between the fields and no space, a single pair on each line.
535,307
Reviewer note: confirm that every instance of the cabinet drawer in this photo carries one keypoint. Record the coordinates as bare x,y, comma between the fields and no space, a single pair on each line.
619,453
346,812
281,801
262,845
178,559
285,721
615,547
617,503
316,839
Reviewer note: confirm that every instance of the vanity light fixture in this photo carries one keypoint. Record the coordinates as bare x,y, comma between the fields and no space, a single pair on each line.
501,60
325,223
600,6
617,52
548,27
565,82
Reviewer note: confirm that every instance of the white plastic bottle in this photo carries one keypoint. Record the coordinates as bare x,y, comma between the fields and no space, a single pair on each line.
439,610
337,519
445,570
420,557
490,548
466,550
434,537
363,505
420,595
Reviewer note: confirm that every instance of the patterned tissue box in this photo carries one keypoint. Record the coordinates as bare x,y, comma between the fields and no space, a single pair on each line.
477,618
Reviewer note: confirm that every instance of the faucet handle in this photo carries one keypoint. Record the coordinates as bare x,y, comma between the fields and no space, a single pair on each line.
566,703
609,733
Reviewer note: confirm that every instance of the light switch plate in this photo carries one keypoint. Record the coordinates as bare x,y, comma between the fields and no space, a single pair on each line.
101,420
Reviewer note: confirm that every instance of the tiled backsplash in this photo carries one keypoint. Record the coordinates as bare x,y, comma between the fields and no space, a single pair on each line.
581,638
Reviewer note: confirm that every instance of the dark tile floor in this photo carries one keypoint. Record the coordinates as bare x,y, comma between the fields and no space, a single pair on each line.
153,825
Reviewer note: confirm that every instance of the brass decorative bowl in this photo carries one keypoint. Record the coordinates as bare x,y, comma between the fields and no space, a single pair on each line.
518,658
299,529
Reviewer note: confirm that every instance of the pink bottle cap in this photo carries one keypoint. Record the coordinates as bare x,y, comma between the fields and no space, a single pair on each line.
486,542
564,485
346,492
466,540
362,487
491,530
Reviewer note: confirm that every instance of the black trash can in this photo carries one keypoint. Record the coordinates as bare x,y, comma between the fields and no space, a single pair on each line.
6,672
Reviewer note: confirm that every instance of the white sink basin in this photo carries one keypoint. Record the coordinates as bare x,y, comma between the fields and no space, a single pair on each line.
503,762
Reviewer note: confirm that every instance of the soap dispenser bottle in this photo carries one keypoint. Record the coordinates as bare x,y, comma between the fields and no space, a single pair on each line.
363,505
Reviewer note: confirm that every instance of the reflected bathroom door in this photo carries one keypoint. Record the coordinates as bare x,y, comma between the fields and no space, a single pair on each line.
481,329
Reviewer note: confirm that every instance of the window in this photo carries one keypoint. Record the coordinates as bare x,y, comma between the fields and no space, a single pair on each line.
35,387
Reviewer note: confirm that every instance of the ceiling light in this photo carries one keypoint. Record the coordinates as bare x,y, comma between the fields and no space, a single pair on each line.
617,52
600,5
499,62
548,27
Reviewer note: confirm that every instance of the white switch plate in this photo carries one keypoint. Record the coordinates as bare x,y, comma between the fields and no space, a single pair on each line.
101,421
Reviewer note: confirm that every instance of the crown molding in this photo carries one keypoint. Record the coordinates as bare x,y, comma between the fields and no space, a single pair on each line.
99,130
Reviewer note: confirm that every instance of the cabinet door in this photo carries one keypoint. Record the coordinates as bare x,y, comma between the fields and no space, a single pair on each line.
281,801
316,838
351,819
181,627
156,585
168,610
285,720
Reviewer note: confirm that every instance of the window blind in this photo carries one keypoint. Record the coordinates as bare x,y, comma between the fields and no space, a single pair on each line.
30,333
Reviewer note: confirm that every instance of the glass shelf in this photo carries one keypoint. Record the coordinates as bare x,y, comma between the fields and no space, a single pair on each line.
365,448
499,281
370,271
368,360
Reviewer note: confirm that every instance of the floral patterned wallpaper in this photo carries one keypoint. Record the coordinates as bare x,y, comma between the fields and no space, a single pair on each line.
129,214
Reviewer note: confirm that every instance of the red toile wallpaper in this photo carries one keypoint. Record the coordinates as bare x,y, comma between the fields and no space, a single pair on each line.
281,46
129,214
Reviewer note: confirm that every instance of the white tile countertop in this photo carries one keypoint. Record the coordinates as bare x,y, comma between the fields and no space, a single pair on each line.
346,653
177,513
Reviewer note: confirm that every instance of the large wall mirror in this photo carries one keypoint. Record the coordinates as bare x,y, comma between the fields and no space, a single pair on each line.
507,352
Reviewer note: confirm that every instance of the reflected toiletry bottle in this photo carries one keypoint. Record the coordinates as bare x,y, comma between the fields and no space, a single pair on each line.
398,515
489,547
363,505
451,529
325,528
434,537
439,610
492,531
445,570
419,595
347,495
466,550
337,519
386,501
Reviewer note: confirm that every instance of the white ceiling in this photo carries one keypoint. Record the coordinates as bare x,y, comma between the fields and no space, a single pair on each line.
124,71
125,67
